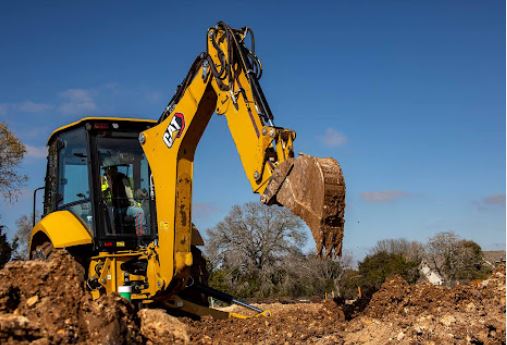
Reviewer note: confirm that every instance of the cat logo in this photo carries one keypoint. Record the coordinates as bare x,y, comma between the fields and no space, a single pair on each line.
174,130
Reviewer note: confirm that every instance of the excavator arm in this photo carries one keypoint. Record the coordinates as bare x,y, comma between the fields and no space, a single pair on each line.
225,80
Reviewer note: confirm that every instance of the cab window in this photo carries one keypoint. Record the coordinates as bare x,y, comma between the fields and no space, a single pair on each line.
73,192
124,186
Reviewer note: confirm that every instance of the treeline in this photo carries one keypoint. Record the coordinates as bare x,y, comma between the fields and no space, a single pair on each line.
257,252
12,152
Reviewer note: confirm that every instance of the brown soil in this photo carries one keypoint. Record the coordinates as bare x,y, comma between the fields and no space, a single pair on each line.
44,303
424,314
300,323
398,313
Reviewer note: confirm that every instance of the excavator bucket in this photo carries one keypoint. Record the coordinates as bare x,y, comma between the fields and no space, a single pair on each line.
313,189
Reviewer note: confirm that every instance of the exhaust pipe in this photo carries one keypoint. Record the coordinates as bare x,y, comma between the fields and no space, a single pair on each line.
313,189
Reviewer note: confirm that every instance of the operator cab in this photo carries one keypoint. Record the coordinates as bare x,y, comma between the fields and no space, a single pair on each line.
98,171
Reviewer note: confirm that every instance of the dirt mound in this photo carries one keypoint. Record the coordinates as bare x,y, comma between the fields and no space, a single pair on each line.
159,328
45,303
398,313
397,296
298,323
403,314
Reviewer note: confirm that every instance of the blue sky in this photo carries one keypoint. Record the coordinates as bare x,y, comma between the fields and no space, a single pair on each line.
409,96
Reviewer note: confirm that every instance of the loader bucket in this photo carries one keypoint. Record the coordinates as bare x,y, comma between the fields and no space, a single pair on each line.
313,189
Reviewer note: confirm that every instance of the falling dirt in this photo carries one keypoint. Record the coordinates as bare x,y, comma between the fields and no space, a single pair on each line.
45,303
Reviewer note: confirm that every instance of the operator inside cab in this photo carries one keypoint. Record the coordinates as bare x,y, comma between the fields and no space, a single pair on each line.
124,211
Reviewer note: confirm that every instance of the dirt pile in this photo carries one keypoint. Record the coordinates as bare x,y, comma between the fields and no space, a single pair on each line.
160,328
398,297
45,303
300,323
400,313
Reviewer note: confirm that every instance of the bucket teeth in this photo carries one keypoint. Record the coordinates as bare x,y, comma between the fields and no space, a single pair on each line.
313,189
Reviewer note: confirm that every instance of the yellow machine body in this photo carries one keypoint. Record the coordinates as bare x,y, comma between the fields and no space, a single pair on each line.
50,228
223,80
84,120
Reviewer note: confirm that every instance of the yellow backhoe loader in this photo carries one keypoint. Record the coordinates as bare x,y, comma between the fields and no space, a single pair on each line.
118,191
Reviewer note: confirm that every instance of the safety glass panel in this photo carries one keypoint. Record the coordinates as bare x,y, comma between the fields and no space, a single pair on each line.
73,192
124,187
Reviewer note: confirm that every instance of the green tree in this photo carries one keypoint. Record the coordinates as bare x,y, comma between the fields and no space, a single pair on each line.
374,269
349,283
470,267
5,247
454,258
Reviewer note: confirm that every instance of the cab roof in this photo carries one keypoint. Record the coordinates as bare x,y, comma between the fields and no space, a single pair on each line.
97,119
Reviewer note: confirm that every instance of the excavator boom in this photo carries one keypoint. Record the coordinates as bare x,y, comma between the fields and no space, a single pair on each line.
225,80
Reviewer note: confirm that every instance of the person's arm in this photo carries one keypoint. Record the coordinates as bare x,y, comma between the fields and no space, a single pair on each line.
128,191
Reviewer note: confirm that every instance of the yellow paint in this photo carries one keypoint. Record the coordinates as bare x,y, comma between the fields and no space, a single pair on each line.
172,170
98,119
172,165
63,229
170,153
105,269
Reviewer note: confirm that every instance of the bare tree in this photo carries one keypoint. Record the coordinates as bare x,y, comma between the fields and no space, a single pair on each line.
12,151
256,251
5,247
410,250
453,258
441,253
256,234
310,275
22,237
250,244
